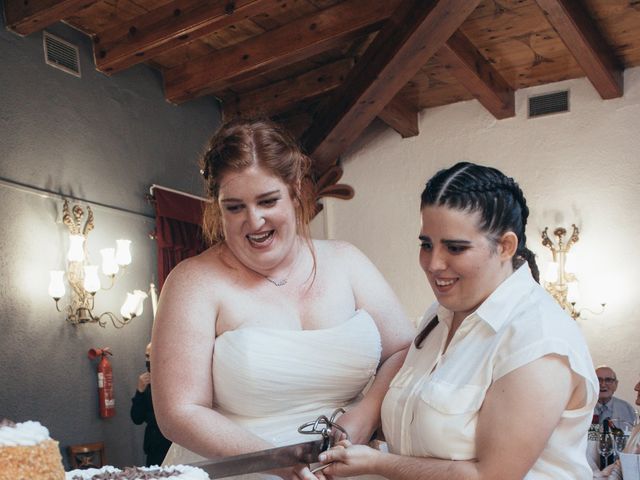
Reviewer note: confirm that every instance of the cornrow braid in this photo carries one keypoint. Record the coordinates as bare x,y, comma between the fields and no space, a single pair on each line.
498,198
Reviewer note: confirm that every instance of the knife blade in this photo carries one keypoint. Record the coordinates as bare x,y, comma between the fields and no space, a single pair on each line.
263,460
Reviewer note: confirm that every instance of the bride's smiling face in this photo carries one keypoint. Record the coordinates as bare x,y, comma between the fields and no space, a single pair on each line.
258,219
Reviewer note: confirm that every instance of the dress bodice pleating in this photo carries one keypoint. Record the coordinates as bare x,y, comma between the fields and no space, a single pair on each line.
261,372
271,381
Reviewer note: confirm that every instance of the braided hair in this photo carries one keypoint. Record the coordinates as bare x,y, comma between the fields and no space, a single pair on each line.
497,198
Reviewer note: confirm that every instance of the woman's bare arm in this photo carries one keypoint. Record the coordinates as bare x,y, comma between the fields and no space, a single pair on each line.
182,382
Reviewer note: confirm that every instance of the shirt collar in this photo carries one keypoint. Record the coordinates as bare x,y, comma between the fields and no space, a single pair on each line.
495,310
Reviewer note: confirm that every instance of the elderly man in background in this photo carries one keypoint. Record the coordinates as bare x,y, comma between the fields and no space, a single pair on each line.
609,406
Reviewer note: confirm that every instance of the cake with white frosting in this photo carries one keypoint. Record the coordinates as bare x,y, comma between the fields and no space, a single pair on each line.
27,452
171,472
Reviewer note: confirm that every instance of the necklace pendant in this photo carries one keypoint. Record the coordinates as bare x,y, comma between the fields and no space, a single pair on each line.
277,283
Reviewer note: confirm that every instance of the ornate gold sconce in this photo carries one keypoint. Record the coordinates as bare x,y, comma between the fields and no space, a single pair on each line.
561,283
83,278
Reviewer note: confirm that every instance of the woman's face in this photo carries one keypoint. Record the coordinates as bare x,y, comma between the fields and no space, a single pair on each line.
462,265
258,219
637,389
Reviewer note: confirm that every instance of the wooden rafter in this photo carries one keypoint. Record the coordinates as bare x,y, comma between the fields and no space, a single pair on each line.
170,26
282,46
585,42
404,44
26,17
280,96
478,76
401,115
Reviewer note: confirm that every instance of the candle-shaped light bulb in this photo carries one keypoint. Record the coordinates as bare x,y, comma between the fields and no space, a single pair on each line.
109,264
56,284
123,252
91,280
76,248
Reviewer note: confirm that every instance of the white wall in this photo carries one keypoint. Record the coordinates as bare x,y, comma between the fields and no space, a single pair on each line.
578,167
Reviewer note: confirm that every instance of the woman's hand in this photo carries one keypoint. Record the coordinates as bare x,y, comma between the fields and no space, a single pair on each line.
347,459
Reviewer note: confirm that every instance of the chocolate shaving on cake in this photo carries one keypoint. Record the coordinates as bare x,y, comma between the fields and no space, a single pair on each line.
133,473
5,422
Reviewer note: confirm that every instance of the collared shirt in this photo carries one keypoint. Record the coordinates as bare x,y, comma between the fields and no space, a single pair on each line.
431,408
616,409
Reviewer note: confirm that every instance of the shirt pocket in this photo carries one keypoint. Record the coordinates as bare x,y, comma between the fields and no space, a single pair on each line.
453,399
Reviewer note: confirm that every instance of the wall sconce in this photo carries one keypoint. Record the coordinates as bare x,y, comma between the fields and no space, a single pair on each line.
83,278
559,281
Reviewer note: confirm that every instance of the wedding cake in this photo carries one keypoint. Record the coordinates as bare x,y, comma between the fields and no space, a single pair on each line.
27,452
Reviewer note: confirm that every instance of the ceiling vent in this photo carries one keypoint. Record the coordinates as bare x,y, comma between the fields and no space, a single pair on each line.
60,54
549,103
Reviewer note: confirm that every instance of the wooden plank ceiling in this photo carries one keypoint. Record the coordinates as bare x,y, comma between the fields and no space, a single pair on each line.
328,68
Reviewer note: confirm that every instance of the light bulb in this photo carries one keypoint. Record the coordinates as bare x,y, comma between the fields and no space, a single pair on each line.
551,272
91,280
76,248
573,292
570,263
129,306
140,296
123,254
109,264
56,284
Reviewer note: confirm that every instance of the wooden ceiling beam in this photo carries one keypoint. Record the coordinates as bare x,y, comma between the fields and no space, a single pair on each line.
582,38
26,17
401,115
477,75
278,97
282,46
168,27
416,31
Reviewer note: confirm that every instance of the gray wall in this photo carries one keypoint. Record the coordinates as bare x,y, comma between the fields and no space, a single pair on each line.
105,140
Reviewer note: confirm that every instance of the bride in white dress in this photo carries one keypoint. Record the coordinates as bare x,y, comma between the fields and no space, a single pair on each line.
268,329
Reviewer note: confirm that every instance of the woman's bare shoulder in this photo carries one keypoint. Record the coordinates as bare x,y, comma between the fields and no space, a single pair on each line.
335,247
340,251
207,266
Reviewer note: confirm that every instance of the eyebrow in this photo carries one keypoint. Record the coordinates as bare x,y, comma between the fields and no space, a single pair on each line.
446,242
259,197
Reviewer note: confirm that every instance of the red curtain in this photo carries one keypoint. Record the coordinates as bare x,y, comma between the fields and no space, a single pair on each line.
178,229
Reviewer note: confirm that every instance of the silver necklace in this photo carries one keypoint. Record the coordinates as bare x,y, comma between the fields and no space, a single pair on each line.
277,283
283,281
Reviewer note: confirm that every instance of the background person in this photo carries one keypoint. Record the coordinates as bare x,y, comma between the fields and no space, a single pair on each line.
155,445
614,471
499,382
268,329
609,406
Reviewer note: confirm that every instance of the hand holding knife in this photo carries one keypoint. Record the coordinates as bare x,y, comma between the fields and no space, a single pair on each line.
280,457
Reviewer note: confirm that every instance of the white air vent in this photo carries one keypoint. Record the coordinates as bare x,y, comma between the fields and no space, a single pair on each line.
549,103
61,54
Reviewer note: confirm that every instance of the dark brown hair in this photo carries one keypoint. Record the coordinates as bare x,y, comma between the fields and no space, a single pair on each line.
498,198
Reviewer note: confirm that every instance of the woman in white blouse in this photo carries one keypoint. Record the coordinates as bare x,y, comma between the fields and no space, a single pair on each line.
499,382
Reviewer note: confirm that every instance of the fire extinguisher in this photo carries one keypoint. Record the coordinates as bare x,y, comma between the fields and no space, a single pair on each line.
105,382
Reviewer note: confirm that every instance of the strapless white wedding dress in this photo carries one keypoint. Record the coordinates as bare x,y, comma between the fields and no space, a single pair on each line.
271,381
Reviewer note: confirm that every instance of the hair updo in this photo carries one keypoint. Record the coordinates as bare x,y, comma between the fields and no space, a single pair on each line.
240,144
497,198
